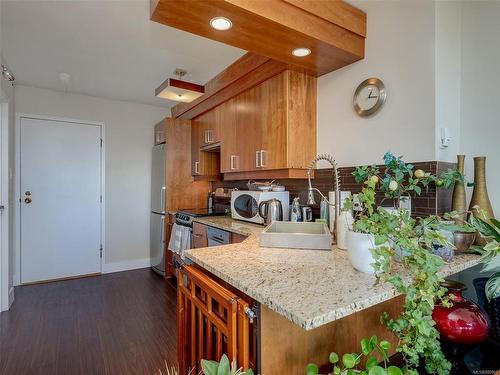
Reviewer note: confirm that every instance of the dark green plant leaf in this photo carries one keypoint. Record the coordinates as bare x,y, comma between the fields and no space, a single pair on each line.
495,222
349,360
484,228
492,287
209,367
312,369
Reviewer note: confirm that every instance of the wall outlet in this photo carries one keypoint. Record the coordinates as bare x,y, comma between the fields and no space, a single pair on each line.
405,203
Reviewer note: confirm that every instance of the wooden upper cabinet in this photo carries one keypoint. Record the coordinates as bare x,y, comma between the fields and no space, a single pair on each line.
225,117
269,127
205,164
275,125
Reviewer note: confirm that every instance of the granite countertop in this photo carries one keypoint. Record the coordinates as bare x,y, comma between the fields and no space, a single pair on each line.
309,287
231,225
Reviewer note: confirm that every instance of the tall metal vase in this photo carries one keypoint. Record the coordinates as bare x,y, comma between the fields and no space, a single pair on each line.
480,194
458,200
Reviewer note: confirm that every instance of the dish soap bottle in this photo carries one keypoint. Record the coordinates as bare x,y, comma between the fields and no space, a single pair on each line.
295,214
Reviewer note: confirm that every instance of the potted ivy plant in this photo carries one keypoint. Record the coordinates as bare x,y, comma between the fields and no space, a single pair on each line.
396,182
394,233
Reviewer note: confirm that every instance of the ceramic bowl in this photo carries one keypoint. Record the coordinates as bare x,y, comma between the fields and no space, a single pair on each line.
463,240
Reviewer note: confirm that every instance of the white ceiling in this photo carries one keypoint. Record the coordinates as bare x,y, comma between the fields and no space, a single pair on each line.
110,48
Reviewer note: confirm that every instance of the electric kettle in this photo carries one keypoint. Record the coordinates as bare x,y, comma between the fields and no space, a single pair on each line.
271,210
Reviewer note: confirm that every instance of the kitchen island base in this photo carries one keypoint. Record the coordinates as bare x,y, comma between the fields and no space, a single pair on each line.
287,348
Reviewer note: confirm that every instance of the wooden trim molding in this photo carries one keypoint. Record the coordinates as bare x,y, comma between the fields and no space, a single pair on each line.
267,174
227,88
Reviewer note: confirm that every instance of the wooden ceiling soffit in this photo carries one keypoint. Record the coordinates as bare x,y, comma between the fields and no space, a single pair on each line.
333,30
245,73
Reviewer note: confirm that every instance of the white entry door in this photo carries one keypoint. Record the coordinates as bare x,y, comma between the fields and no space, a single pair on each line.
60,190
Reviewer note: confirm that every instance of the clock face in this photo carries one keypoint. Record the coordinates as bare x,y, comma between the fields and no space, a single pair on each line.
369,97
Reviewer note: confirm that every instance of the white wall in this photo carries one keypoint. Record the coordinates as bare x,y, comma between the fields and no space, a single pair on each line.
480,132
129,138
448,76
400,51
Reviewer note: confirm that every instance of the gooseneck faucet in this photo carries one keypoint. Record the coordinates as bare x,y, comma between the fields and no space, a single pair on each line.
311,189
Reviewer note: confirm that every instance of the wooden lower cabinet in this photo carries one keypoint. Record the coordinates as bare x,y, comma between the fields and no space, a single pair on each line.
211,322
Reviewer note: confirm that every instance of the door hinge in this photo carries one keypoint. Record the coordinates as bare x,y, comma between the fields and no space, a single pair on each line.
100,251
101,142
100,198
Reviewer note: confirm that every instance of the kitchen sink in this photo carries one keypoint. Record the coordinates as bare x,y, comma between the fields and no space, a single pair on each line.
291,235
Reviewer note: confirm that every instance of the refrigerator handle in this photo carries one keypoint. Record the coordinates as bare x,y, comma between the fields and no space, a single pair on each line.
162,231
162,199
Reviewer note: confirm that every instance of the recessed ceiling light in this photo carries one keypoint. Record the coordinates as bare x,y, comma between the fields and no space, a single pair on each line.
221,23
301,52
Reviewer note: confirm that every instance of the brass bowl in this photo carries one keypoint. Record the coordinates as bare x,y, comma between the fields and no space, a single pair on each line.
463,240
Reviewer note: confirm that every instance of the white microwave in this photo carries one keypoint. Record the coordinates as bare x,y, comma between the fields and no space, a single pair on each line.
245,204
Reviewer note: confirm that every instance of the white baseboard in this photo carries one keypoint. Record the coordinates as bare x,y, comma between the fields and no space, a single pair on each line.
11,296
126,265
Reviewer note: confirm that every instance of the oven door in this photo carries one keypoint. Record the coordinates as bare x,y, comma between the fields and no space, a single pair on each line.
246,207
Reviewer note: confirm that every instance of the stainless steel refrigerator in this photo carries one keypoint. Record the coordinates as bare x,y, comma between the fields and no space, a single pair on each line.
158,195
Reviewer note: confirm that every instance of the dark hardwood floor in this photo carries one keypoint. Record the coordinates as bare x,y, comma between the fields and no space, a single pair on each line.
119,323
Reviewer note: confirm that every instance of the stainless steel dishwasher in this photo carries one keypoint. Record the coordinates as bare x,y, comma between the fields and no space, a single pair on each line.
217,237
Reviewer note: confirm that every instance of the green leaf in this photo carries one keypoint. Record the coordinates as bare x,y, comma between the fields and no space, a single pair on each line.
417,190
495,222
209,367
373,340
365,346
249,372
385,344
312,369
492,287
336,370
349,360
224,366
484,228
393,370
334,357
377,370
372,361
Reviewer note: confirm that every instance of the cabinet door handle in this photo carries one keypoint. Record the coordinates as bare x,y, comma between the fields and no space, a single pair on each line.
257,159
263,160
197,235
234,162
197,167
209,137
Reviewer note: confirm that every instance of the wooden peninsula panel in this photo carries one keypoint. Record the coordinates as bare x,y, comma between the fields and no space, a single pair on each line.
287,348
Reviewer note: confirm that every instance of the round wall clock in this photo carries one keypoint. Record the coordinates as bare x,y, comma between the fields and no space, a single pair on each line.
369,97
